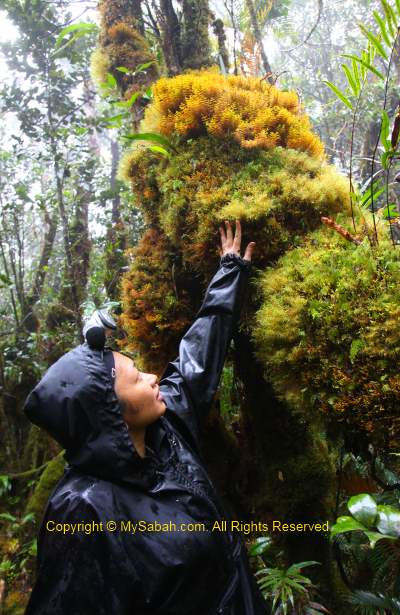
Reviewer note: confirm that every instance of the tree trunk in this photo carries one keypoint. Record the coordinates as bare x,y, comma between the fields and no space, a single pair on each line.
171,37
29,319
116,233
258,37
195,41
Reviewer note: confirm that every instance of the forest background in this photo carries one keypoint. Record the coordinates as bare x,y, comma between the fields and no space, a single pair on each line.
118,163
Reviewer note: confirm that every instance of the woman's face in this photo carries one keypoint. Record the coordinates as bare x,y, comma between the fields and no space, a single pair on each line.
138,393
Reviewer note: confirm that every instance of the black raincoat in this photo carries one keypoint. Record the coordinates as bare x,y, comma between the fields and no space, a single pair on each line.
107,565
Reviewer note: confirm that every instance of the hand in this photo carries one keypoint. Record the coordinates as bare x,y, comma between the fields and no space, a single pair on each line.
232,244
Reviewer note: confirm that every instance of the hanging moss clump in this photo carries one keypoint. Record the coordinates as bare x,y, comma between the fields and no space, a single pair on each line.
122,50
328,333
241,149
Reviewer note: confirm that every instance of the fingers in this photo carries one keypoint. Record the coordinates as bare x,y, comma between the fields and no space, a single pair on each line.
238,237
230,243
249,251
223,236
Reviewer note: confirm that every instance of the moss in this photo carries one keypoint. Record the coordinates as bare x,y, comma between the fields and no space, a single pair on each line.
100,65
122,45
48,480
281,193
327,333
15,603
244,109
155,314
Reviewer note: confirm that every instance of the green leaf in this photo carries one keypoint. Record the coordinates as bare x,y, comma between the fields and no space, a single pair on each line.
363,507
301,565
149,136
385,131
374,40
122,69
81,28
160,150
373,538
350,79
142,67
346,524
261,544
125,104
388,520
365,64
398,6
8,517
111,80
356,74
339,94
385,158
382,27
148,93
390,211
373,191
4,281
390,17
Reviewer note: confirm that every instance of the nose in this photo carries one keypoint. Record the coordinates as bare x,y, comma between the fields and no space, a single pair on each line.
152,379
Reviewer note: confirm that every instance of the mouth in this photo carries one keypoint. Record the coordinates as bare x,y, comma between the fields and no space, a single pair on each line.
159,396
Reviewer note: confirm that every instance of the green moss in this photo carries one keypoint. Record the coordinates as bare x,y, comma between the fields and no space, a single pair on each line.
327,332
48,480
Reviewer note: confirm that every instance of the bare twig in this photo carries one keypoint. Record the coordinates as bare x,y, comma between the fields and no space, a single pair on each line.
339,229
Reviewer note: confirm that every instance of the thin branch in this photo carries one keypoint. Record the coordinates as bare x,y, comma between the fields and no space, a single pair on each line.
339,229
320,8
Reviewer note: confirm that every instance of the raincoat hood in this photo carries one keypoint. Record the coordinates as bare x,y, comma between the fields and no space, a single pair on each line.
75,403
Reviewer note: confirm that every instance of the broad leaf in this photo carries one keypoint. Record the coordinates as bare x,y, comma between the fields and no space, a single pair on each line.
149,136
388,520
160,150
81,28
346,524
373,538
363,508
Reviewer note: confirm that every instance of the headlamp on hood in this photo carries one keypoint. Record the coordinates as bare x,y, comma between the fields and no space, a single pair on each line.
95,328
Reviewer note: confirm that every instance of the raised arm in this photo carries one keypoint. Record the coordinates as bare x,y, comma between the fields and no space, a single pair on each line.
189,383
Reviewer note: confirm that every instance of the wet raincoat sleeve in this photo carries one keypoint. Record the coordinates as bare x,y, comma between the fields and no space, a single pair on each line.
189,383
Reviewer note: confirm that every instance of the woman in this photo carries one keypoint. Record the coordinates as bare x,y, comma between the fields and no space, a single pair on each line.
134,456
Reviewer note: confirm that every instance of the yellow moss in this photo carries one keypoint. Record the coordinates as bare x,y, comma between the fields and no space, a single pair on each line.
128,165
99,66
252,112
